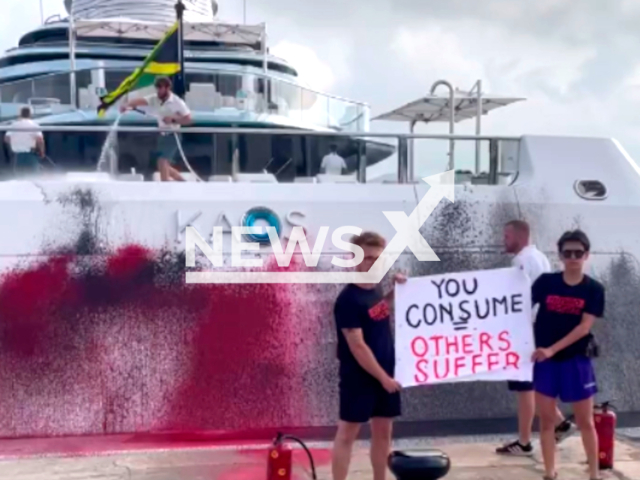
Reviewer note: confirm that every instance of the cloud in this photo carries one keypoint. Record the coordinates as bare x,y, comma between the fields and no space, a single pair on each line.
577,67
20,16
505,61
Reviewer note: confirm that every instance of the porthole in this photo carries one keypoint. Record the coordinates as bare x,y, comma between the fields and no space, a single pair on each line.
591,189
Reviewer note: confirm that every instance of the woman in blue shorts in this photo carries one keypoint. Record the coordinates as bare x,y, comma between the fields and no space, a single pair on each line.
570,301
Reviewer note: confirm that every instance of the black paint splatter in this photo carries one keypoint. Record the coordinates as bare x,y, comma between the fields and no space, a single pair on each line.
83,205
618,334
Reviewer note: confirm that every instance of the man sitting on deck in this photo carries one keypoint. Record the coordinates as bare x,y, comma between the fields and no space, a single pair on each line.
27,146
171,112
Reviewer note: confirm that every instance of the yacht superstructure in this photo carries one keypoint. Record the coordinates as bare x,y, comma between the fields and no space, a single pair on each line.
63,67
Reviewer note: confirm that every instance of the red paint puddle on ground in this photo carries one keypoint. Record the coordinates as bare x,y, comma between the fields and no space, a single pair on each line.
251,465
245,472
240,436
106,444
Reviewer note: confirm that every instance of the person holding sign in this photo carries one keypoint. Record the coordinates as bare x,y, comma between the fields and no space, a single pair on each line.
569,302
534,263
368,391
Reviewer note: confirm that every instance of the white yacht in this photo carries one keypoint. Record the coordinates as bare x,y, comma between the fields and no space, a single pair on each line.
99,334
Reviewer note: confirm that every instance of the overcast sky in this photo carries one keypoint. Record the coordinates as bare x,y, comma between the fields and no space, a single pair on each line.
578,66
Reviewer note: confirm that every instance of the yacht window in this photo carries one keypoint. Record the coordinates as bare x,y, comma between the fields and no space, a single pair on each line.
591,189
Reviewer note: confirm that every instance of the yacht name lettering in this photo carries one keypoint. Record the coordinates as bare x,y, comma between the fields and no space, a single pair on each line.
282,251
226,221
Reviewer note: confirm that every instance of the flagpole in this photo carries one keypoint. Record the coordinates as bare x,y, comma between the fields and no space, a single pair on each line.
265,65
72,60
180,87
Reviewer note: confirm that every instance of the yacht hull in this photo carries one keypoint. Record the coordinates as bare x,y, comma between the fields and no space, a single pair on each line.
100,334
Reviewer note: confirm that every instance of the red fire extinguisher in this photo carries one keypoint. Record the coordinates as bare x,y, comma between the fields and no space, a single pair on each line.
605,420
280,460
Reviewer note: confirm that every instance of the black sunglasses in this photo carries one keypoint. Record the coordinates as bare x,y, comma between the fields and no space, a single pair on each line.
577,254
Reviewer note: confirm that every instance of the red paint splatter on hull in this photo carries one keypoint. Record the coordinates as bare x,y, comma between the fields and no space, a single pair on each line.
118,343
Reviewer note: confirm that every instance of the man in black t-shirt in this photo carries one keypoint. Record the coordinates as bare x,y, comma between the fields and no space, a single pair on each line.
368,391
569,301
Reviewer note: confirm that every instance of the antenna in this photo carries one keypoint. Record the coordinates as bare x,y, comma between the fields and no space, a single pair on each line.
244,11
41,13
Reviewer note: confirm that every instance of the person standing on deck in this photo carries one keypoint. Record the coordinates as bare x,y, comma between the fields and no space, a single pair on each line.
28,146
333,164
368,391
534,263
171,112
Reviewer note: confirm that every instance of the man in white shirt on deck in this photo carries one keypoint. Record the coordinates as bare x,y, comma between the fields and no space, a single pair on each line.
27,146
171,112
534,263
333,164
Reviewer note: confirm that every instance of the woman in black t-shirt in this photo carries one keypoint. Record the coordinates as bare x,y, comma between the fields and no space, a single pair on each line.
570,301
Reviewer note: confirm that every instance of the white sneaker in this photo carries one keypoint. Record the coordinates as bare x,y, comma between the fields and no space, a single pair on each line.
565,430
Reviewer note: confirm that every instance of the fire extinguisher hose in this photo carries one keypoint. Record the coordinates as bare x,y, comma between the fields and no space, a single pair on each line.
304,447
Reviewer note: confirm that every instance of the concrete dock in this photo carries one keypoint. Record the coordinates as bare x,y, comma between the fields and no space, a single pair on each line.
472,459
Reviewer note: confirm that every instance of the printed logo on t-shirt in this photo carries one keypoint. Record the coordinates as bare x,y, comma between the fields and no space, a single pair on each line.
379,311
567,305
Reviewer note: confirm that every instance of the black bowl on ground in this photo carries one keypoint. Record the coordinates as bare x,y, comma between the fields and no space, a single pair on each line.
419,465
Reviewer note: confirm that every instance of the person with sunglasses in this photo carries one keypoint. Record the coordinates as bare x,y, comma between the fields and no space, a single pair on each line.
533,263
569,302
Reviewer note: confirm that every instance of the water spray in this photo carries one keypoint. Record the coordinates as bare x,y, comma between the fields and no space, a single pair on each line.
178,142
184,157
48,159
107,146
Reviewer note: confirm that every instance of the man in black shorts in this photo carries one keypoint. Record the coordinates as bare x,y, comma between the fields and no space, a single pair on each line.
368,391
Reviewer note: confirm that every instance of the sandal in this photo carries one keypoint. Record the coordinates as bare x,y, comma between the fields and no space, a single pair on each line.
555,477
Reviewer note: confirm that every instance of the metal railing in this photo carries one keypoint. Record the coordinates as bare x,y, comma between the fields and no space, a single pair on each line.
502,151
152,129
208,91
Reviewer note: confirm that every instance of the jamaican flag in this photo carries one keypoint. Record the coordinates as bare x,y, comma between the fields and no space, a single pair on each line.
164,60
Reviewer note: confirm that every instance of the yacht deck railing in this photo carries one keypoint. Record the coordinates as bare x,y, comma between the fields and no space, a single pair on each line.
501,165
219,91
240,131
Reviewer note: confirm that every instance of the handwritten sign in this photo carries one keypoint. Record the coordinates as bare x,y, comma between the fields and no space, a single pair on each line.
464,327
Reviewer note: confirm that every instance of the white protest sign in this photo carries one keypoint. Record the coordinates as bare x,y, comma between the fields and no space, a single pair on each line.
462,327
